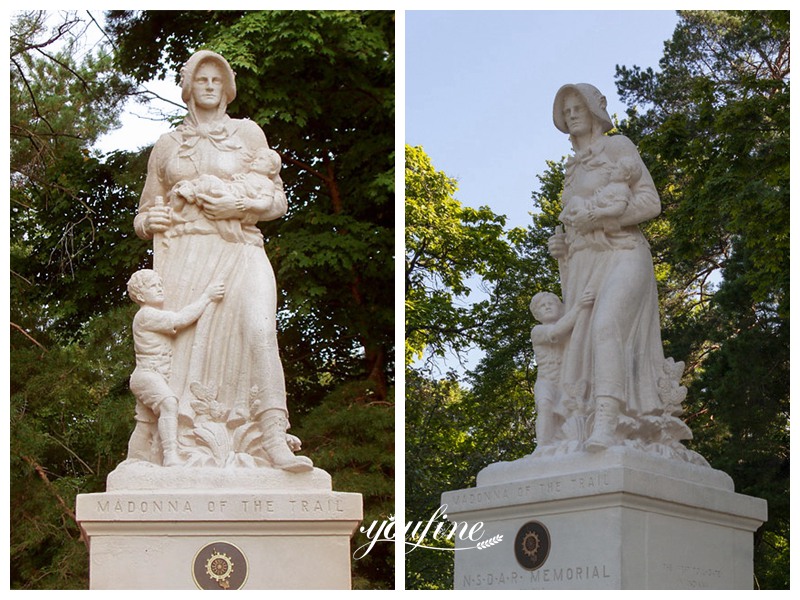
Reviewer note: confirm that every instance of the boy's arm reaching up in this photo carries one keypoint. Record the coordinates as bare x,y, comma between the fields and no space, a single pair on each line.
190,313
565,324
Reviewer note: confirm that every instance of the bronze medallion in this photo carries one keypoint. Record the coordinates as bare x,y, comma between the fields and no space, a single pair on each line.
219,566
532,545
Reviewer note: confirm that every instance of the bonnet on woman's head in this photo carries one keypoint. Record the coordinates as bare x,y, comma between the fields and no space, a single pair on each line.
189,69
595,102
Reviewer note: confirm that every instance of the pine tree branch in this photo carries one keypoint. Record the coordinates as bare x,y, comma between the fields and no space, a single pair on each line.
27,335
65,507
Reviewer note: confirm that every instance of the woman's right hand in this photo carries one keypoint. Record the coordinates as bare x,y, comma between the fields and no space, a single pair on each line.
158,219
557,245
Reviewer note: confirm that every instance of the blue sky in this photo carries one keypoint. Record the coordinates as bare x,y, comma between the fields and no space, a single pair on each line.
480,86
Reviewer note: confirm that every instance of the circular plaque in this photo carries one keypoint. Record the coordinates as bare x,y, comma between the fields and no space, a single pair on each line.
532,545
219,566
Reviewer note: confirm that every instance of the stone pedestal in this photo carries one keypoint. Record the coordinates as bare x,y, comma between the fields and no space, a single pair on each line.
615,520
219,529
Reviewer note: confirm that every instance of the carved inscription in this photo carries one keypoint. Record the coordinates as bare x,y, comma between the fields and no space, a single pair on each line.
249,506
553,575
694,577
316,506
533,491
143,506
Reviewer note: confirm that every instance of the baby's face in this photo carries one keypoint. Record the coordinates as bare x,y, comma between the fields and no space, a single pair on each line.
263,164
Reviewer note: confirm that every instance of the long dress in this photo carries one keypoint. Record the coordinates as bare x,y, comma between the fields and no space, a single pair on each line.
231,355
615,348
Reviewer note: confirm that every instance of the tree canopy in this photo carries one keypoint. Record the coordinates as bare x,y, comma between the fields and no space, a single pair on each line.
714,124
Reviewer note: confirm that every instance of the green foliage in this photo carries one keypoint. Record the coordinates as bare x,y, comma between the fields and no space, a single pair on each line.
352,436
67,206
713,125
446,244
714,122
451,431
70,408
58,101
73,247
71,415
435,449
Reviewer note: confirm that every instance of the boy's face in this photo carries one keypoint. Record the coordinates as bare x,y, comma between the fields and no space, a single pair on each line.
548,309
152,292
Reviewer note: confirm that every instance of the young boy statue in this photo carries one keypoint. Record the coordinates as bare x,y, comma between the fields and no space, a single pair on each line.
153,330
548,340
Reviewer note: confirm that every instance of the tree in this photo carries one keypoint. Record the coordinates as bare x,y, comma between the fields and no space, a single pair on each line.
352,433
60,105
448,435
713,124
68,402
446,244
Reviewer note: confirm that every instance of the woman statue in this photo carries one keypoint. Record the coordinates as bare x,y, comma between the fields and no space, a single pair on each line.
225,370
613,367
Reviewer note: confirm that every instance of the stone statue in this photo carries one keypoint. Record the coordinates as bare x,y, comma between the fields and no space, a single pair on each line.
153,330
614,386
208,183
548,340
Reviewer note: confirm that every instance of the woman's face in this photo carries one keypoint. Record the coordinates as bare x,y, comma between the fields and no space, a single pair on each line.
576,115
207,85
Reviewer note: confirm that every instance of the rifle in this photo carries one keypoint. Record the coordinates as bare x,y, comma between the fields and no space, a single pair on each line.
562,268
159,242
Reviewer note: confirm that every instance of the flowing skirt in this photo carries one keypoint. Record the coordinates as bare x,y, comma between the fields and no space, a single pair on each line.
615,347
231,354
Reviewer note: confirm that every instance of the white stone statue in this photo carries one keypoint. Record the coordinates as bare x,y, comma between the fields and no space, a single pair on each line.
548,340
614,386
153,330
208,183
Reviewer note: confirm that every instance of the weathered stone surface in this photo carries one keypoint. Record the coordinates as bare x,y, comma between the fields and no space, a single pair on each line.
603,380
209,381
212,495
616,520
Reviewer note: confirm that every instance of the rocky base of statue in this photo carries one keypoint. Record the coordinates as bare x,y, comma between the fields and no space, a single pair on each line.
620,519
142,475
209,528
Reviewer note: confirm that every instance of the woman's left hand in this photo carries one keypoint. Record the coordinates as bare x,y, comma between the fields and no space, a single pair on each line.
582,221
220,207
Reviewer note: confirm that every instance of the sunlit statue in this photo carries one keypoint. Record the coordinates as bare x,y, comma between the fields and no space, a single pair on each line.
208,183
612,385
153,330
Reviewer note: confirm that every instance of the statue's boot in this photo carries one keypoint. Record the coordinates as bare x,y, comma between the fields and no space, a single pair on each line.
273,429
606,418
168,431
